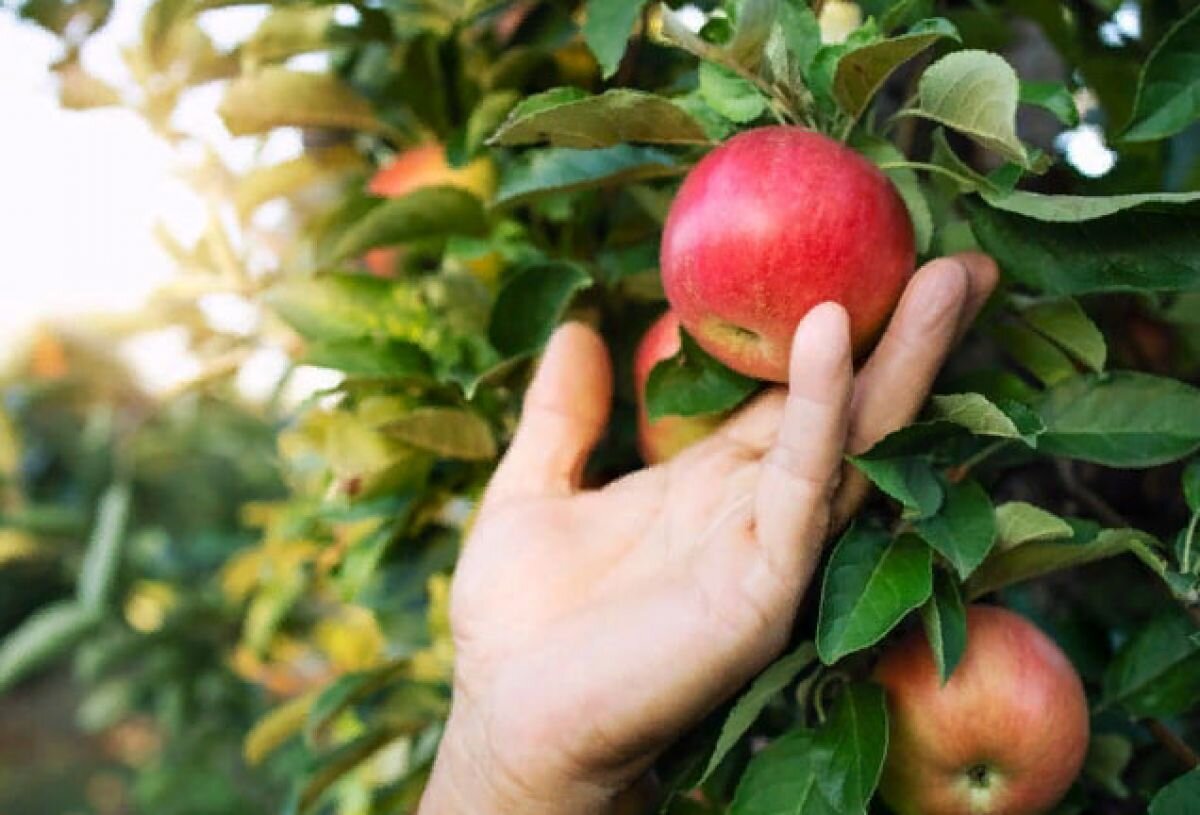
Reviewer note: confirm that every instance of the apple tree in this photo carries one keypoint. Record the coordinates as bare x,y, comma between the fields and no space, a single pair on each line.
1052,472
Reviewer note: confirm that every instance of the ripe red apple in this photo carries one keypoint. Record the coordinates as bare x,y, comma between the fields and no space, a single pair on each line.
771,223
1005,736
424,166
660,440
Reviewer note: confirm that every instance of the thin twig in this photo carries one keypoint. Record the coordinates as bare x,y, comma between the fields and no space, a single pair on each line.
1084,494
1173,744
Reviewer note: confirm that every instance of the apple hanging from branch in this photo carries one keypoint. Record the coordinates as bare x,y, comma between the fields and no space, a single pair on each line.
771,223
660,439
1006,735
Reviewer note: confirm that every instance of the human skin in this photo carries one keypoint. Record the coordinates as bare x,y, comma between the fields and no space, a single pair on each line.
1005,736
663,438
592,627
768,225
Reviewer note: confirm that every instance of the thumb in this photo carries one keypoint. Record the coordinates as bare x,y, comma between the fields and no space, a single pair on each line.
566,409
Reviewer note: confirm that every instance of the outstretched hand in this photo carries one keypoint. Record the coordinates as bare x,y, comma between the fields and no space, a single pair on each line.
593,626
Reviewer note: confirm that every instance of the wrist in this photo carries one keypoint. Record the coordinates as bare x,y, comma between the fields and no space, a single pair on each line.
470,777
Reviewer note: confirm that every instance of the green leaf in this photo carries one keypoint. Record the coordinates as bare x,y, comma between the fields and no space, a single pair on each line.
982,417
958,172
911,480
615,117
491,112
746,710
964,529
547,100
1179,797
1123,419
426,213
46,635
851,747
1066,323
862,72
1077,208
907,183
334,766
1035,353
1107,759
975,93
531,304
1168,93
607,28
1051,96
343,307
1018,523
344,692
755,18
1137,248
945,619
1191,485
371,357
557,170
447,432
1157,672
831,770
801,32
783,779
102,560
898,13
729,94
871,582
1036,558
692,383
276,97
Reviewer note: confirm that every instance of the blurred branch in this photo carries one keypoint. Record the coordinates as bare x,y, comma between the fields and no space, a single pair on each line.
1084,494
1172,743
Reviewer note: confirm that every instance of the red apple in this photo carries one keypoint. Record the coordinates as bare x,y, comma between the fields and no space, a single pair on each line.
660,440
424,166
1005,736
771,223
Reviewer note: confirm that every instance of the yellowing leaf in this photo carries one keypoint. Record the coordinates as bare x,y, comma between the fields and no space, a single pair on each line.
276,728
264,184
287,31
352,639
16,545
448,432
239,576
10,446
276,97
148,604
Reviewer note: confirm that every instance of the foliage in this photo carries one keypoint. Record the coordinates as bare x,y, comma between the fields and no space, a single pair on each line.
1046,474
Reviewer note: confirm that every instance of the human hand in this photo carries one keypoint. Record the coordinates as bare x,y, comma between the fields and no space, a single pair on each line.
593,626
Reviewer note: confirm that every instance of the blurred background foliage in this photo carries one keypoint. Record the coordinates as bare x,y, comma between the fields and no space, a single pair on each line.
251,595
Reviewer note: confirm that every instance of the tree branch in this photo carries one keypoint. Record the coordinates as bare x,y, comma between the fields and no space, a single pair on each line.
1172,743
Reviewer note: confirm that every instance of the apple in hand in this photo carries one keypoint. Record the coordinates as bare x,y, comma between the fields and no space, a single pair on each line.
771,223
414,169
1006,735
661,439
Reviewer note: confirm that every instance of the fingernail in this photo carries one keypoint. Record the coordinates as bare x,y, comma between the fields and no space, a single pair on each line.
941,292
824,334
